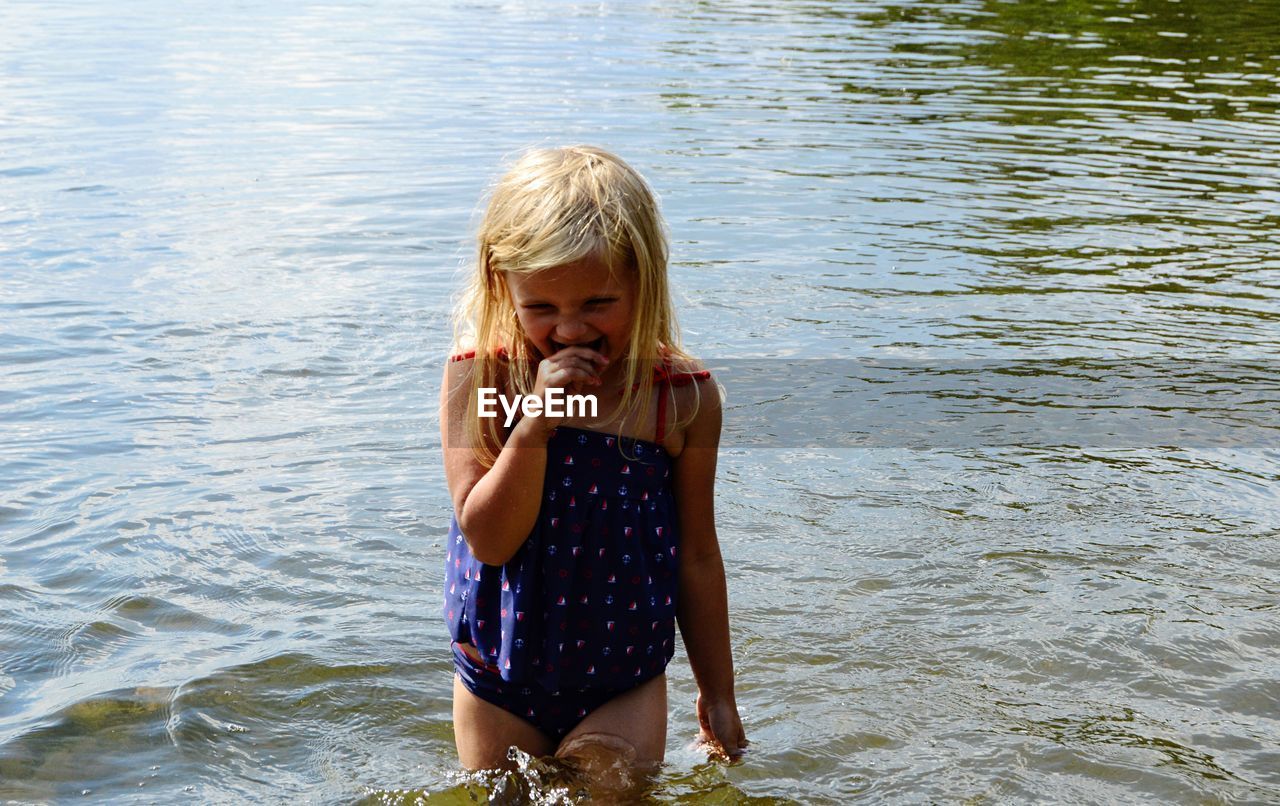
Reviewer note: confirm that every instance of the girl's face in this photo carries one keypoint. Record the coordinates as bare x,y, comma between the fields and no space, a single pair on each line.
580,304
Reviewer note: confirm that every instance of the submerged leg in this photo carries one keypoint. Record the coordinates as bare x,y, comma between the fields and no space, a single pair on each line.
618,745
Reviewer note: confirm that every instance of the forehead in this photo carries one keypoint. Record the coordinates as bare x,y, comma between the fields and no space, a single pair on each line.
575,281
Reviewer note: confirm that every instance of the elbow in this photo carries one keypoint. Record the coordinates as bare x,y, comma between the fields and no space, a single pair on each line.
489,552
488,556
702,558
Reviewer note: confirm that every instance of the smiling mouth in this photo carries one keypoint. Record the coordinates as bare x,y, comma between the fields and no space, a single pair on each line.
597,345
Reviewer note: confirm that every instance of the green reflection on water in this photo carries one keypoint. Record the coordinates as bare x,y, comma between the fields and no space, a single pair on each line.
1194,59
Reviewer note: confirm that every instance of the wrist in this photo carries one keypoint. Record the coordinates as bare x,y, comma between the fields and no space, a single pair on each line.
718,699
531,432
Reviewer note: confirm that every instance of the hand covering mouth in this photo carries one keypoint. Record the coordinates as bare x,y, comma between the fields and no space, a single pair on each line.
597,345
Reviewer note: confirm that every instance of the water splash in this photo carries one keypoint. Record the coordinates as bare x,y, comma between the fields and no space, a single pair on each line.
534,780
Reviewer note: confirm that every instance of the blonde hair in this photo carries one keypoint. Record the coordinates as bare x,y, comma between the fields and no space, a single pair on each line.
552,208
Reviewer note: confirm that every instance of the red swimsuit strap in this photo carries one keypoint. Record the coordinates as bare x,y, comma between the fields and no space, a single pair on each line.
469,354
663,376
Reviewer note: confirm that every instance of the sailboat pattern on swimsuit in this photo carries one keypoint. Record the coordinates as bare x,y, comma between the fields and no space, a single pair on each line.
589,598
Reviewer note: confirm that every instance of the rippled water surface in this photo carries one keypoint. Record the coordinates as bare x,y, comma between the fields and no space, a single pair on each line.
1004,524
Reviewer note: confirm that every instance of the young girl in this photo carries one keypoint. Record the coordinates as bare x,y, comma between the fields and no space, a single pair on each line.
579,541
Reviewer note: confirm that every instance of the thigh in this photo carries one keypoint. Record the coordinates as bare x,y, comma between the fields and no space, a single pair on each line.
484,731
630,727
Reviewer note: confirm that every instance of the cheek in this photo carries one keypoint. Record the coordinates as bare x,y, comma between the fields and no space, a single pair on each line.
529,324
623,322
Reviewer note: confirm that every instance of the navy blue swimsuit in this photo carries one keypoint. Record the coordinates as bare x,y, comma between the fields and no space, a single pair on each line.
586,608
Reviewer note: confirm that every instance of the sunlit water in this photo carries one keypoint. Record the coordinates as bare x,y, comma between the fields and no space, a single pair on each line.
229,235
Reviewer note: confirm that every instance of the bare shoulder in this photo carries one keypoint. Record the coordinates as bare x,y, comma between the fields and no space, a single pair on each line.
695,405
459,378
695,446
462,466
455,391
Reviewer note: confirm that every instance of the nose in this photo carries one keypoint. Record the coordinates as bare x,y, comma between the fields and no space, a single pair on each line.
570,330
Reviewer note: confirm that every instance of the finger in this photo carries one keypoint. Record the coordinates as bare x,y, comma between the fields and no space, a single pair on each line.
734,748
574,378
716,751
572,372
734,737
576,354
586,353
569,366
584,369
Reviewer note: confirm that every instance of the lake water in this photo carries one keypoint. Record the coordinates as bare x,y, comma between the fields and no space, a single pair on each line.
992,288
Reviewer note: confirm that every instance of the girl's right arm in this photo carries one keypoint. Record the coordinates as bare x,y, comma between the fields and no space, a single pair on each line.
497,506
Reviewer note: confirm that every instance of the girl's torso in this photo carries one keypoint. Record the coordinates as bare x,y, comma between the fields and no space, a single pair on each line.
589,598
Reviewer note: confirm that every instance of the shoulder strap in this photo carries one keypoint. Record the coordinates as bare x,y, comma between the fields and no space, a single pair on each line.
469,354
664,377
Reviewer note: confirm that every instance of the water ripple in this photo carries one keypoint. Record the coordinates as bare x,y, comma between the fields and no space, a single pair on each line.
229,243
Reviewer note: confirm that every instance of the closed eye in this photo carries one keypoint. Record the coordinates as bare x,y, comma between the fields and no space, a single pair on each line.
594,303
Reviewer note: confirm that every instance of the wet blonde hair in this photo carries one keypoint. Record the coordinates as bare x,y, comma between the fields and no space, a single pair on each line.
552,208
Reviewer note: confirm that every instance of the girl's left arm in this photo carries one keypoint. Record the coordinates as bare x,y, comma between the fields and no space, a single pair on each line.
702,602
